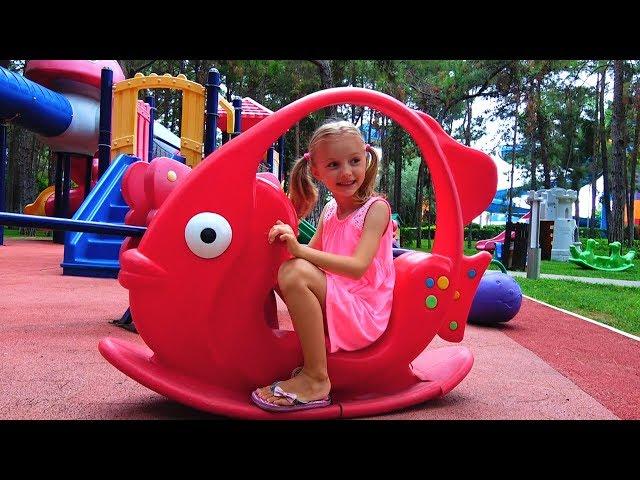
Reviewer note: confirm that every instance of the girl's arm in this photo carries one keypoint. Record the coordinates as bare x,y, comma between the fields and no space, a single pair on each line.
355,266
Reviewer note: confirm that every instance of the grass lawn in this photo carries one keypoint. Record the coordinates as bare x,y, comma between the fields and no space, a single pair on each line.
568,268
612,305
558,268
14,232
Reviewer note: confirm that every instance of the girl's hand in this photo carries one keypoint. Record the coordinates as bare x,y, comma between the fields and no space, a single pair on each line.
284,233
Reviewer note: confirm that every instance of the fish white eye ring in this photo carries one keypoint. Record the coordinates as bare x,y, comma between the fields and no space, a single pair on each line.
207,234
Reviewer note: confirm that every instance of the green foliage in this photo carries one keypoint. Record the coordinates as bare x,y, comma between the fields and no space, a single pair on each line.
409,234
440,88
570,269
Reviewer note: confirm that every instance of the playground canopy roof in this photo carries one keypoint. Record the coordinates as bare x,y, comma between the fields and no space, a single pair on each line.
252,113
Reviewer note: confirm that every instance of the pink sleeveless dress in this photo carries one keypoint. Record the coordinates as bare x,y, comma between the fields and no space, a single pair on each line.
357,311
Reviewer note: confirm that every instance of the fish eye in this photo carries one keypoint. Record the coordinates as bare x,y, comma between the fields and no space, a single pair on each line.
208,234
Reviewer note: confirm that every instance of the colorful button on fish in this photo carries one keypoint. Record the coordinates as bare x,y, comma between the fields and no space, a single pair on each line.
471,273
429,282
453,325
443,283
456,295
172,176
431,301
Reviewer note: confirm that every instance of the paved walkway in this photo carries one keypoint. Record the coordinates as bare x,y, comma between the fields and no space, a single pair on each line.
544,364
603,281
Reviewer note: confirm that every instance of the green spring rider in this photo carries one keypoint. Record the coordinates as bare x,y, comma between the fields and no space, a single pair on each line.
613,263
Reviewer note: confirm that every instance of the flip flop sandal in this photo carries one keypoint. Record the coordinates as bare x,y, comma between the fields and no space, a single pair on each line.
292,397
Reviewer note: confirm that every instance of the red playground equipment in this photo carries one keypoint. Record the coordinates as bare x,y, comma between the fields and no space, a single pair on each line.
201,280
490,244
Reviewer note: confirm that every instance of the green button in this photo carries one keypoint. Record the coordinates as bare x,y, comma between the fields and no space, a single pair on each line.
432,301
453,325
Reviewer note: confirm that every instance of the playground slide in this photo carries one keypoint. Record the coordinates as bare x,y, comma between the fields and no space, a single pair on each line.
37,207
92,254
306,231
76,195
483,244
32,106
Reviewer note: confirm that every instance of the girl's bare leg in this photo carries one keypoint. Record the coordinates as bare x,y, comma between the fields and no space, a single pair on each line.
304,290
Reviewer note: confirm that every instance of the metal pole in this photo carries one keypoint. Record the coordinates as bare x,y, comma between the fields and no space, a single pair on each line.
66,183
58,236
87,175
226,136
533,250
281,165
3,167
211,123
270,158
104,139
150,99
237,123
35,221
66,187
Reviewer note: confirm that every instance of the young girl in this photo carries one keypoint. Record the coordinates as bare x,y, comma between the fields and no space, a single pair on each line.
342,281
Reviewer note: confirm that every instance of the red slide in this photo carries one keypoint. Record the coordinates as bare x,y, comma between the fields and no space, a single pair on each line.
76,195
490,244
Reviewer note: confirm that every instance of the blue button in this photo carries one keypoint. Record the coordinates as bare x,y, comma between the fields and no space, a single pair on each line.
430,282
471,273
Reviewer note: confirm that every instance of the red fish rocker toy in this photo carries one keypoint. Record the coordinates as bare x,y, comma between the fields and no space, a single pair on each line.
201,282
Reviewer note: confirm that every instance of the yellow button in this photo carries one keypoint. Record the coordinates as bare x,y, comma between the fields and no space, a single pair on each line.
171,176
443,283
456,295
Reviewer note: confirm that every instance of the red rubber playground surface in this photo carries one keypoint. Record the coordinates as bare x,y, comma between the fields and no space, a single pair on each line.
544,364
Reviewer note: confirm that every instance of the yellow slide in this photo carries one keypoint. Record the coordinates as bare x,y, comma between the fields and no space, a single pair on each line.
37,207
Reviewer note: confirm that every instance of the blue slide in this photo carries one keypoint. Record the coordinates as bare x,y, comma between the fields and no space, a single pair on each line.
33,106
92,254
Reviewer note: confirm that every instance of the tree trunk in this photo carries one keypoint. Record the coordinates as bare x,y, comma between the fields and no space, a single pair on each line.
616,232
606,195
385,162
634,167
542,138
395,139
21,178
419,200
430,208
326,81
13,172
513,158
575,185
594,163
530,116
571,134
467,142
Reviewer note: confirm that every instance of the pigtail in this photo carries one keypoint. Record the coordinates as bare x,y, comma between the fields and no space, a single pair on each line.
366,190
302,191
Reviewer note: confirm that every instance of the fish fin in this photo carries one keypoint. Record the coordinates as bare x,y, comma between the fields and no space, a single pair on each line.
471,271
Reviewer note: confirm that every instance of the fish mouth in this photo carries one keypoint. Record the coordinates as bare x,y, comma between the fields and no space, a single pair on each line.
136,269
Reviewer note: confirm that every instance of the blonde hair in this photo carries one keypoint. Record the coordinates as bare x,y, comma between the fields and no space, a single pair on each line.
302,189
